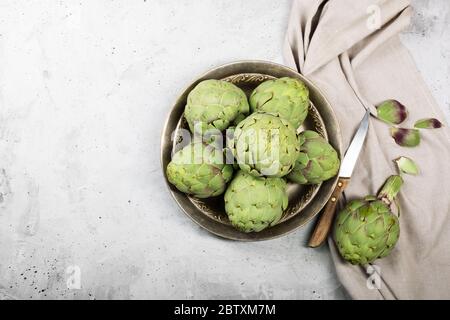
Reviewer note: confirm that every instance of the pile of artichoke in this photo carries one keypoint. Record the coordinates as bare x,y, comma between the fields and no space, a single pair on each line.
263,145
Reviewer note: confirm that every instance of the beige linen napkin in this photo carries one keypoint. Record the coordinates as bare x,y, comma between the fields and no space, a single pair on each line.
352,51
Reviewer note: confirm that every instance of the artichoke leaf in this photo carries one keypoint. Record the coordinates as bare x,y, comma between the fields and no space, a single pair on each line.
407,165
406,137
392,112
429,123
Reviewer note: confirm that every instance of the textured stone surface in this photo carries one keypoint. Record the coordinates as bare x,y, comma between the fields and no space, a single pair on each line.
85,87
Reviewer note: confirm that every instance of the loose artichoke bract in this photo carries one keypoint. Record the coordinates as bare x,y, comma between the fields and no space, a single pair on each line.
317,161
366,229
266,145
285,97
199,170
255,203
215,104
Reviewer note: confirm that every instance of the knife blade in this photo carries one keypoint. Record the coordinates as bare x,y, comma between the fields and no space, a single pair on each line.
345,172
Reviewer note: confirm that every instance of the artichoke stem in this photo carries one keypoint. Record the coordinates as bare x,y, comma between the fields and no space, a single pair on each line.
390,189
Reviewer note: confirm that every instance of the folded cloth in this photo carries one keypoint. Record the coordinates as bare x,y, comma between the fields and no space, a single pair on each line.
351,51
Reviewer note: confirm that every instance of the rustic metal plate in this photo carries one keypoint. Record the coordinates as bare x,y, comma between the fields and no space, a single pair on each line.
304,201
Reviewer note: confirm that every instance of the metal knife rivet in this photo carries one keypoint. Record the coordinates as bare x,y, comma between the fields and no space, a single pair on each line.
340,184
333,199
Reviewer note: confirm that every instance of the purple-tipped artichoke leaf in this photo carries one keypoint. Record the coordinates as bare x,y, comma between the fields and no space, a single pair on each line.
406,137
429,123
392,112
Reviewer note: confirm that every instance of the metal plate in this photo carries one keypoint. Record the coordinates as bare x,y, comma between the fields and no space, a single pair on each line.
304,201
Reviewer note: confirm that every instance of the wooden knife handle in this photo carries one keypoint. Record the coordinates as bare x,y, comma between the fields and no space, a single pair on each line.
323,226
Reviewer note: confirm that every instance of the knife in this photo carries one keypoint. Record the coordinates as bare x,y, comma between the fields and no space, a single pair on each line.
345,172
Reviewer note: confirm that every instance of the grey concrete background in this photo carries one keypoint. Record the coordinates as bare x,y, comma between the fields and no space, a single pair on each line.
85,87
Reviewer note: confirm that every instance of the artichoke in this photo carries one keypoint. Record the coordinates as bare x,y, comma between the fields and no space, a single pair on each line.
366,229
265,144
215,104
255,203
317,161
199,170
285,97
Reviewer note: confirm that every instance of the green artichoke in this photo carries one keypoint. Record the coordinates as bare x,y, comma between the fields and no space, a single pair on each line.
214,104
265,144
255,203
366,229
199,170
285,97
317,161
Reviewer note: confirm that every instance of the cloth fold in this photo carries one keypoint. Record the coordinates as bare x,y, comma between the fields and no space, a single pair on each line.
352,52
